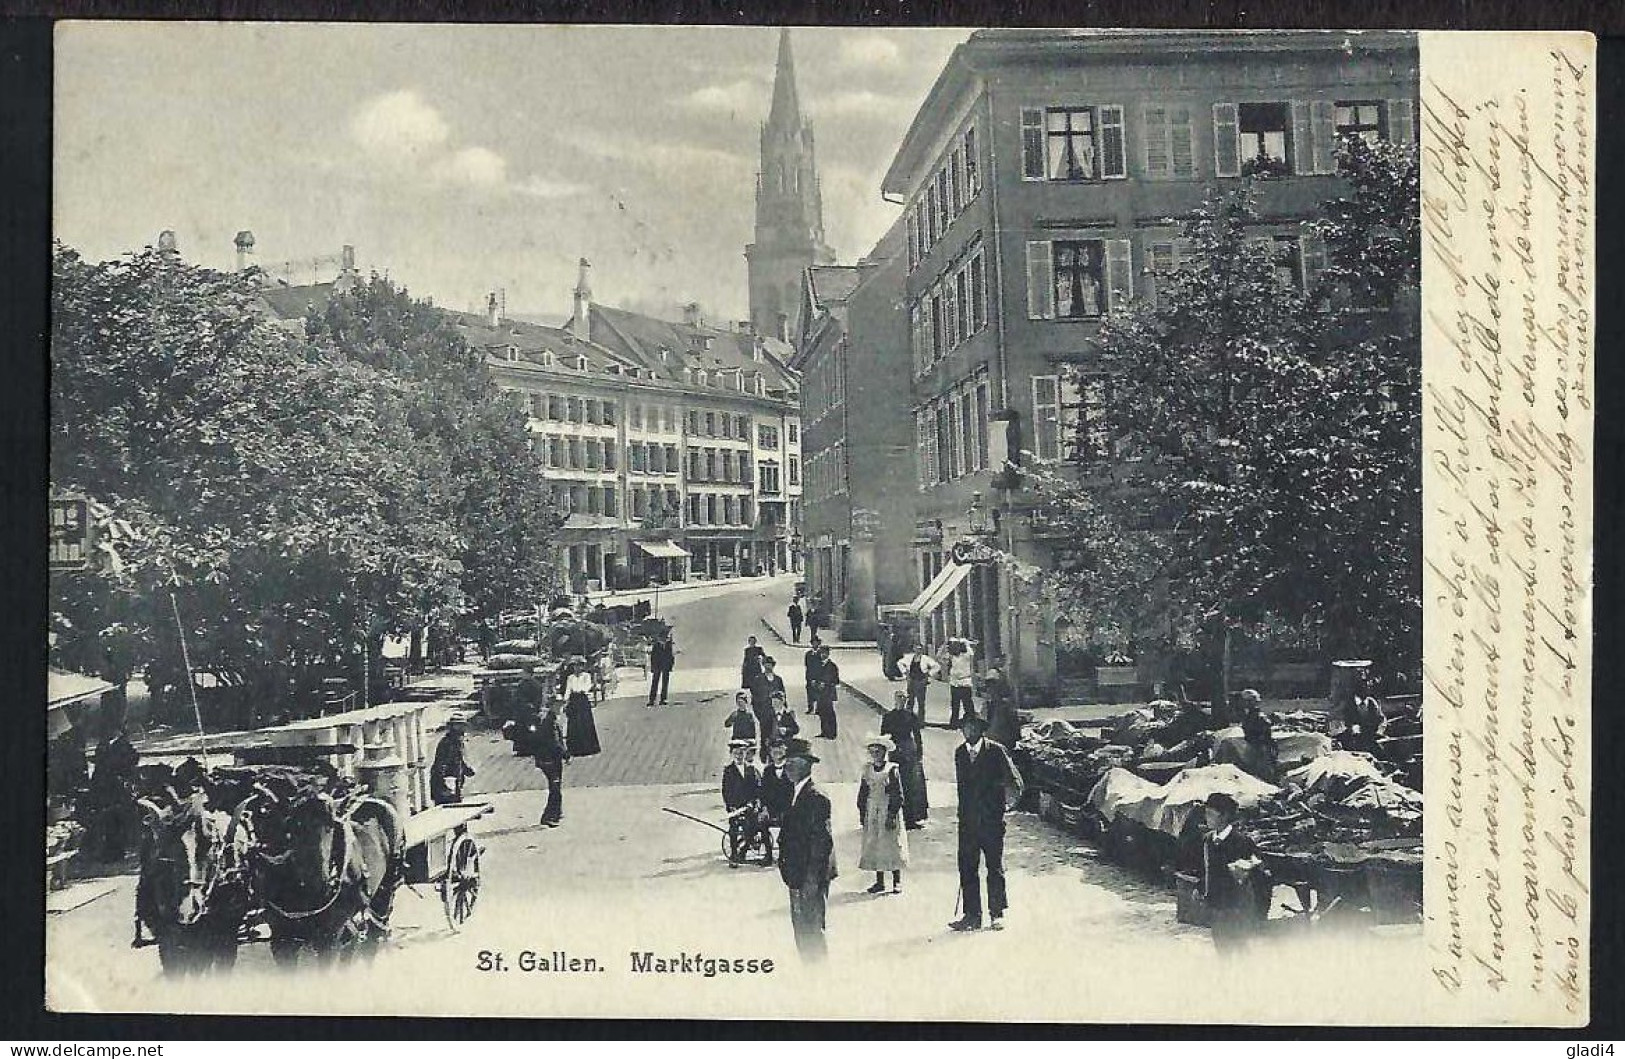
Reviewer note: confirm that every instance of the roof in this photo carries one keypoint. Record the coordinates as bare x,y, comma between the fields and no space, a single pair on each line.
832,284
640,339
533,341
989,48
291,303
64,688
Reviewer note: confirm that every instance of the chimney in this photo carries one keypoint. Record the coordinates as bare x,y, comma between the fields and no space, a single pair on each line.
492,317
245,249
166,242
347,260
691,314
580,323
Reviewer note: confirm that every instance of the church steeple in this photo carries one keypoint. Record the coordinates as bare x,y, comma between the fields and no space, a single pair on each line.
786,112
789,207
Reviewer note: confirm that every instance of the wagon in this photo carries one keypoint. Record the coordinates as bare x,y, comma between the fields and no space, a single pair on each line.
441,851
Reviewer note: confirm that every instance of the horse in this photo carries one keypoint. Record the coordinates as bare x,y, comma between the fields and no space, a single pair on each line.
326,872
193,892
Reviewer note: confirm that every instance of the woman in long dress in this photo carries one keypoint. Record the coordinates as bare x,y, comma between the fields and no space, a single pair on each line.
880,806
580,731
904,727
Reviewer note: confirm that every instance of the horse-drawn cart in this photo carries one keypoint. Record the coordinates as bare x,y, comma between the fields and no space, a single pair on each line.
310,833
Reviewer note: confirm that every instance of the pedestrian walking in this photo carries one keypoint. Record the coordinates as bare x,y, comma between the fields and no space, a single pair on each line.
921,668
662,658
552,752
762,690
880,807
814,666
112,790
1231,887
741,723
989,785
907,736
961,677
796,618
583,733
451,765
829,680
806,851
751,667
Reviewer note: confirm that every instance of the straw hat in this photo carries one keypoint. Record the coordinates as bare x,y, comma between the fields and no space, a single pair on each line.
876,739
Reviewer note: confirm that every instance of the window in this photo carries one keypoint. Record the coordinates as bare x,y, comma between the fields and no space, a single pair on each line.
1072,143
743,427
956,181
1361,119
967,434
942,433
555,407
635,414
962,314
727,426
609,455
1165,257
609,414
791,432
746,510
555,452
925,446
595,502
1169,135
710,424
939,335
639,506
767,437
952,317
793,470
955,462
1093,439
612,506
931,212
1077,279
1046,416
574,452
978,289
728,510
573,409
711,508
592,449
767,478
913,242
1265,131
920,231
972,179
982,410
944,217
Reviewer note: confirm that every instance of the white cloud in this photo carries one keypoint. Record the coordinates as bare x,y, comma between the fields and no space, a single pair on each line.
870,50
730,98
399,124
861,103
543,188
478,167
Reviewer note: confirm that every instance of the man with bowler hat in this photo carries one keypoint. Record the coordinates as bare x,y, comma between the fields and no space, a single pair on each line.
989,784
806,850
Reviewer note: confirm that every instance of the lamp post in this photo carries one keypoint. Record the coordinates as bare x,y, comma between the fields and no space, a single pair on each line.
1004,457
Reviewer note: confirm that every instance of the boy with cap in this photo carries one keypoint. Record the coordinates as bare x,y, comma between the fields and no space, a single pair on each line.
741,793
741,722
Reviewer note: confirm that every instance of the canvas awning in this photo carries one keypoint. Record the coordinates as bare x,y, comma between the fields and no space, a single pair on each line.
64,688
662,549
941,587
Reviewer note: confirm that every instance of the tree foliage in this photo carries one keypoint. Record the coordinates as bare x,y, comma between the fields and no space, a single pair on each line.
297,496
1267,468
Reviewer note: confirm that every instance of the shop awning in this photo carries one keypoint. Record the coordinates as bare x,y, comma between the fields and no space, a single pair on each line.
662,549
941,587
65,688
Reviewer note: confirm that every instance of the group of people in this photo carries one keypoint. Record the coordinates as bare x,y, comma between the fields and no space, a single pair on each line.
957,668
554,737
786,798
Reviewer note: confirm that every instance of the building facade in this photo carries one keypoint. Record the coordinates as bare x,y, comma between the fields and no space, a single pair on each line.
1044,177
858,441
789,235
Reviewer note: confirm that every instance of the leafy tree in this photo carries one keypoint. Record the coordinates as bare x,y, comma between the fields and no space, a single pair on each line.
1268,470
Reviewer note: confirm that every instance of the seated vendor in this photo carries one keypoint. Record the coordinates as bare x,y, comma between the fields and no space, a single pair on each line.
1259,734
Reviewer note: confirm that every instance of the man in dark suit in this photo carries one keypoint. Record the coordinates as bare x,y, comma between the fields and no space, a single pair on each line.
662,657
989,784
806,851
551,752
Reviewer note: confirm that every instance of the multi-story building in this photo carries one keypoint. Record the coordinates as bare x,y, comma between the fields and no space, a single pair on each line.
859,437
674,446
1044,176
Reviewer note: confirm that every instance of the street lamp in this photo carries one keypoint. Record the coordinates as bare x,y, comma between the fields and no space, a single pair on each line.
1004,452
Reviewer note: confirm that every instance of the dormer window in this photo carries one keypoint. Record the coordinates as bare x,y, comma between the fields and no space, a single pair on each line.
702,378
510,353
759,386
665,356
548,359
579,362
613,369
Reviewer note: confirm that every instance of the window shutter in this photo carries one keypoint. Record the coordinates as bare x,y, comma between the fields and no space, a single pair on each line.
1325,136
1401,122
1181,142
1046,416
1302,139
1040,281
1226,140
913,243
1312,259
1113,156
1032,144
1154,129
978,308
933,469
973,180
1120,272
1071,418
950,309
1162,263
956,178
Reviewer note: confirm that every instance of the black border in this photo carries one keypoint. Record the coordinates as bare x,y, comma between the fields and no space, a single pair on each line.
25,102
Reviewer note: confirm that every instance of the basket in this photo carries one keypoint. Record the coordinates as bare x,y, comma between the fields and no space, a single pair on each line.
1189,907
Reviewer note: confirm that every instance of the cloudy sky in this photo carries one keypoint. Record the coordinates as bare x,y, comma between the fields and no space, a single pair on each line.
463,159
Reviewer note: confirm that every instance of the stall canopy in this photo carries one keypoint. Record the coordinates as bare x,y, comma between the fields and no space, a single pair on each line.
662,549
941,587
65,688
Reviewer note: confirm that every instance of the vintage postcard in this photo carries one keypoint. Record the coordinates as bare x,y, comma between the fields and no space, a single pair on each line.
821,523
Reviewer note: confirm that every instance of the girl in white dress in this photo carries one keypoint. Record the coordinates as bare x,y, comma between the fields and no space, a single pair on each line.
880,806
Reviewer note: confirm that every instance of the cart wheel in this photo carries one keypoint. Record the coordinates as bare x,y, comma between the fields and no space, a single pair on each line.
460,889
